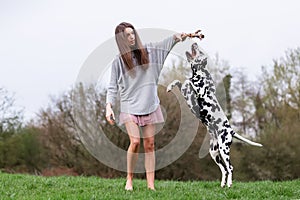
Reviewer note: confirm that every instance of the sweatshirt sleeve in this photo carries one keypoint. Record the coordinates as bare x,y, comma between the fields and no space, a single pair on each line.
165,47
160,50
112,88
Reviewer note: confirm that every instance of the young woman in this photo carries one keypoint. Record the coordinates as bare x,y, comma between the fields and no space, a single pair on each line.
135,75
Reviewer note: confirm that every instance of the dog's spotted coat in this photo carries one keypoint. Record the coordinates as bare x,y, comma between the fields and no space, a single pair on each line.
199,92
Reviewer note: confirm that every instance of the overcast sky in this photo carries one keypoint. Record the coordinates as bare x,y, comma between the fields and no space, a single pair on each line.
43,44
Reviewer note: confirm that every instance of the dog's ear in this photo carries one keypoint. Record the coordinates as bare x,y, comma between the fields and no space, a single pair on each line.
201,52
189,56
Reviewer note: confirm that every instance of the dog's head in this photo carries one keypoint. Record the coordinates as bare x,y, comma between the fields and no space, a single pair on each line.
197,59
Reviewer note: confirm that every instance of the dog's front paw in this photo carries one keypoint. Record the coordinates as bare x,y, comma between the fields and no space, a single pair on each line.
169,88
171,85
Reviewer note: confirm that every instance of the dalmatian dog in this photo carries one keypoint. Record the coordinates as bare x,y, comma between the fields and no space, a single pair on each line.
199,93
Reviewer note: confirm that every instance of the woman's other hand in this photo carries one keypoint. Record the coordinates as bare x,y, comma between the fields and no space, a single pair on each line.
110,116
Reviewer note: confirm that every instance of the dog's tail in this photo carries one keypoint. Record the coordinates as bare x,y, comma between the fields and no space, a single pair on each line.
237,136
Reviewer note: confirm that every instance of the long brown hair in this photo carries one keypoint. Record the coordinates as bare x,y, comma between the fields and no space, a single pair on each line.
126,51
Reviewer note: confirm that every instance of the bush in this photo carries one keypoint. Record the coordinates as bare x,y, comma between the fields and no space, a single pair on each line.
22,152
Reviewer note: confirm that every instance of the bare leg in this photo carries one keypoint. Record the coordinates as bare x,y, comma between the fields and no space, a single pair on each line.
132,152
148,134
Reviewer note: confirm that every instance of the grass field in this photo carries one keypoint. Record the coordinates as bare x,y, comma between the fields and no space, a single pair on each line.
19,186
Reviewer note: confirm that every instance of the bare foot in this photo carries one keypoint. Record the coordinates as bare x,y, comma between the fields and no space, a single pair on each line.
128,185
151,188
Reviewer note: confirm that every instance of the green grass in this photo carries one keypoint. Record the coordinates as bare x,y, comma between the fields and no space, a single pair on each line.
19,186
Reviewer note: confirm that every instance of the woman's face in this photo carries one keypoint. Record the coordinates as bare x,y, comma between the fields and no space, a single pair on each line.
129,34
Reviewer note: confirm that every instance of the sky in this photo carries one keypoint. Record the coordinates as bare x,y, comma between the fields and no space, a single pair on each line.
43,44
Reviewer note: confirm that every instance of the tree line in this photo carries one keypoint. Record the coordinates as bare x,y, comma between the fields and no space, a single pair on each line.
266,110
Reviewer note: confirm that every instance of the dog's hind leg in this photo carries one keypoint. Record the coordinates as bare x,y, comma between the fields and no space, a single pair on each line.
173,84
215,155
225,140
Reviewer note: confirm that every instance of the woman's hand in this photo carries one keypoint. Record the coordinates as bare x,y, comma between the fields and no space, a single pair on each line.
110,116
180,37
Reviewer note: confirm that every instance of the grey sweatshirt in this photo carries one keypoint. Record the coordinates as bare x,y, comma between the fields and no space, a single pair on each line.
138,94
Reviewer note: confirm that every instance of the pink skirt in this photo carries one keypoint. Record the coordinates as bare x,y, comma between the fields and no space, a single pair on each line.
142,120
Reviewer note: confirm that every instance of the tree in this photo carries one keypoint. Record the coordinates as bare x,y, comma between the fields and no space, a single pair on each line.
242,103
219,70
277,105
281,86
10,115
